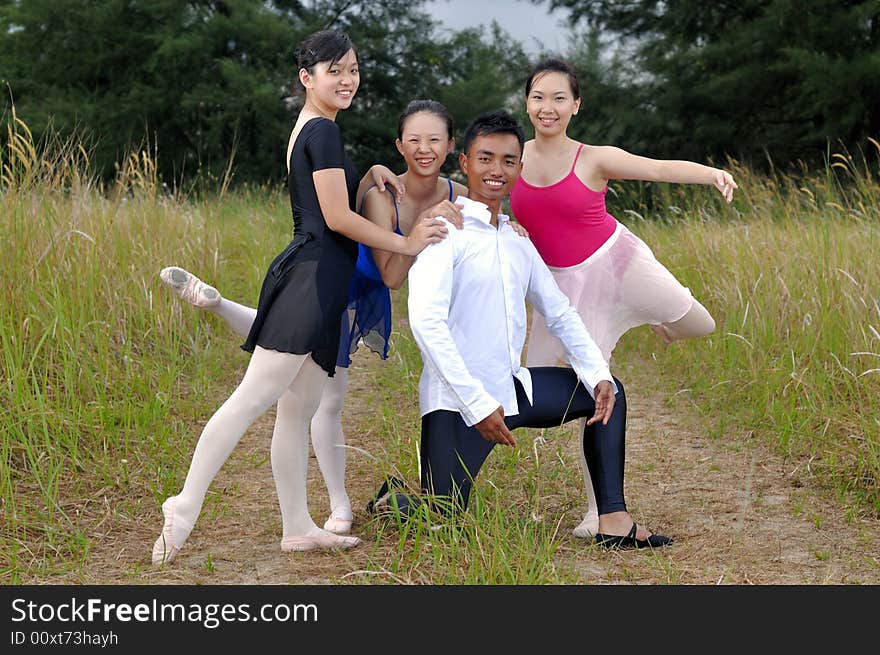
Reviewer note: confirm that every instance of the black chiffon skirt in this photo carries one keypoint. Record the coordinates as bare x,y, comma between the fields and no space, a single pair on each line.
302,299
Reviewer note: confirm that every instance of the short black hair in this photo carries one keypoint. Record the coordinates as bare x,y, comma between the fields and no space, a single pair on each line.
492,122
326,45
554,65
430,106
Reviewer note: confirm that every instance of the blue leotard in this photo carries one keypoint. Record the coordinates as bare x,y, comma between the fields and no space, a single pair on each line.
368,315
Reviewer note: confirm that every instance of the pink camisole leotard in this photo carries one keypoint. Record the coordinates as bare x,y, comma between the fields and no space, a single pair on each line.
567,221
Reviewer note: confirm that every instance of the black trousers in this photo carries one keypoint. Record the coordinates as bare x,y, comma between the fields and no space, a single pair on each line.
453,453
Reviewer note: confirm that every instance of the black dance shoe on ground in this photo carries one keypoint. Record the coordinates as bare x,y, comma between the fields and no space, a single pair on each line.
381,503
629,541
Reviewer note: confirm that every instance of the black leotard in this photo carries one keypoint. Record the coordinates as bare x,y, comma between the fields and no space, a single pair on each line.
306,288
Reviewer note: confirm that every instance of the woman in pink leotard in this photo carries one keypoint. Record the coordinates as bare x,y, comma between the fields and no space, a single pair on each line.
610,275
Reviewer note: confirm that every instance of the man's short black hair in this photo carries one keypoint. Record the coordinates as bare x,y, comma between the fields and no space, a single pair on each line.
492,122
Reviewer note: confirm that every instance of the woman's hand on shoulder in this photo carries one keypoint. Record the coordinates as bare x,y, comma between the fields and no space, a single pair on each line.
382,176
519,229
724,182
424,232
447,209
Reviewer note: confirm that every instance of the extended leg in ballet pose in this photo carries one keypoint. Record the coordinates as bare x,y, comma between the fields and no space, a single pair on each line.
190,288
698,322
328,440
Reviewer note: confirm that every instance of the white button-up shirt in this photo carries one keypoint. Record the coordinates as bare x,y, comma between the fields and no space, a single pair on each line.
467,312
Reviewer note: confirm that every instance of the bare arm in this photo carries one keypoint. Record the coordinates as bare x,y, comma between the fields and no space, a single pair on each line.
379,176
330,187
393,267
616,164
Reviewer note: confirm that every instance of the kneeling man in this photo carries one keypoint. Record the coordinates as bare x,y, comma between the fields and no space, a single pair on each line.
467,311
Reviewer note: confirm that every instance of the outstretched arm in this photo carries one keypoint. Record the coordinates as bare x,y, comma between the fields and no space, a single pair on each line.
616,164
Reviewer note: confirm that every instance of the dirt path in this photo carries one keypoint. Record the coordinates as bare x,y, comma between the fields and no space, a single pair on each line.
739,513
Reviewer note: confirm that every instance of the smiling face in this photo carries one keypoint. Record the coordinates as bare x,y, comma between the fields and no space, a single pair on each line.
492,164
332,85
425,143
551,103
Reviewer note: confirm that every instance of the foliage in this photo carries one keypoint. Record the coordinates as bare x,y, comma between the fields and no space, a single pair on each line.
746,79
202,82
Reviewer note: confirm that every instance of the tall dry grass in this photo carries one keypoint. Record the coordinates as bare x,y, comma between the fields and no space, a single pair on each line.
793,281
91,409
96,422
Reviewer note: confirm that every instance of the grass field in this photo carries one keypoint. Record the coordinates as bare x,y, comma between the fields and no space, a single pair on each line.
92,352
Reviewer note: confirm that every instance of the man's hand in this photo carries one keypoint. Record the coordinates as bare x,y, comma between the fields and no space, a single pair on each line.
604,403
494,429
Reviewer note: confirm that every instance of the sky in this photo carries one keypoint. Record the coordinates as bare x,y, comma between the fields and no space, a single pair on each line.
527,22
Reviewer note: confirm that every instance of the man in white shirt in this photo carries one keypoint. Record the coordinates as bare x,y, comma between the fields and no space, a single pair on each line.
467,312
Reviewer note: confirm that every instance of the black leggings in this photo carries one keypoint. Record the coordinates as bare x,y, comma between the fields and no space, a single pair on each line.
452,453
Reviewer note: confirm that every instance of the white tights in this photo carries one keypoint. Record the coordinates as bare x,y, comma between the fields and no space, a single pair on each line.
697,322
296,383
328,439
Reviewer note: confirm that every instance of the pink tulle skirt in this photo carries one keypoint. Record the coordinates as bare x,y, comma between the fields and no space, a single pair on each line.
618,287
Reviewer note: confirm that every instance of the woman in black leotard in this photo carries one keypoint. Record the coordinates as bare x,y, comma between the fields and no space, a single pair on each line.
295,337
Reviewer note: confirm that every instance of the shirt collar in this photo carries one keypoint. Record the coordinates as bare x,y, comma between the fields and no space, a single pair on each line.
478,211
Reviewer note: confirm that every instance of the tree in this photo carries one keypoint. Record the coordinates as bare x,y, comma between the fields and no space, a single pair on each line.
196,79
745,78
202,80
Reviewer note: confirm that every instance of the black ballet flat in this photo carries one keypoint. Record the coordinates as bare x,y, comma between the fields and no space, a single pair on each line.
630,542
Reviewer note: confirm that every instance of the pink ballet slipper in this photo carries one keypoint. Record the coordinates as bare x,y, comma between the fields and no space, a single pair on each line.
190,288
320,541
338,524
165,550
588,528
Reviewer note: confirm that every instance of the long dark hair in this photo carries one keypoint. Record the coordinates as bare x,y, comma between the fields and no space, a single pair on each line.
554,65
326,45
